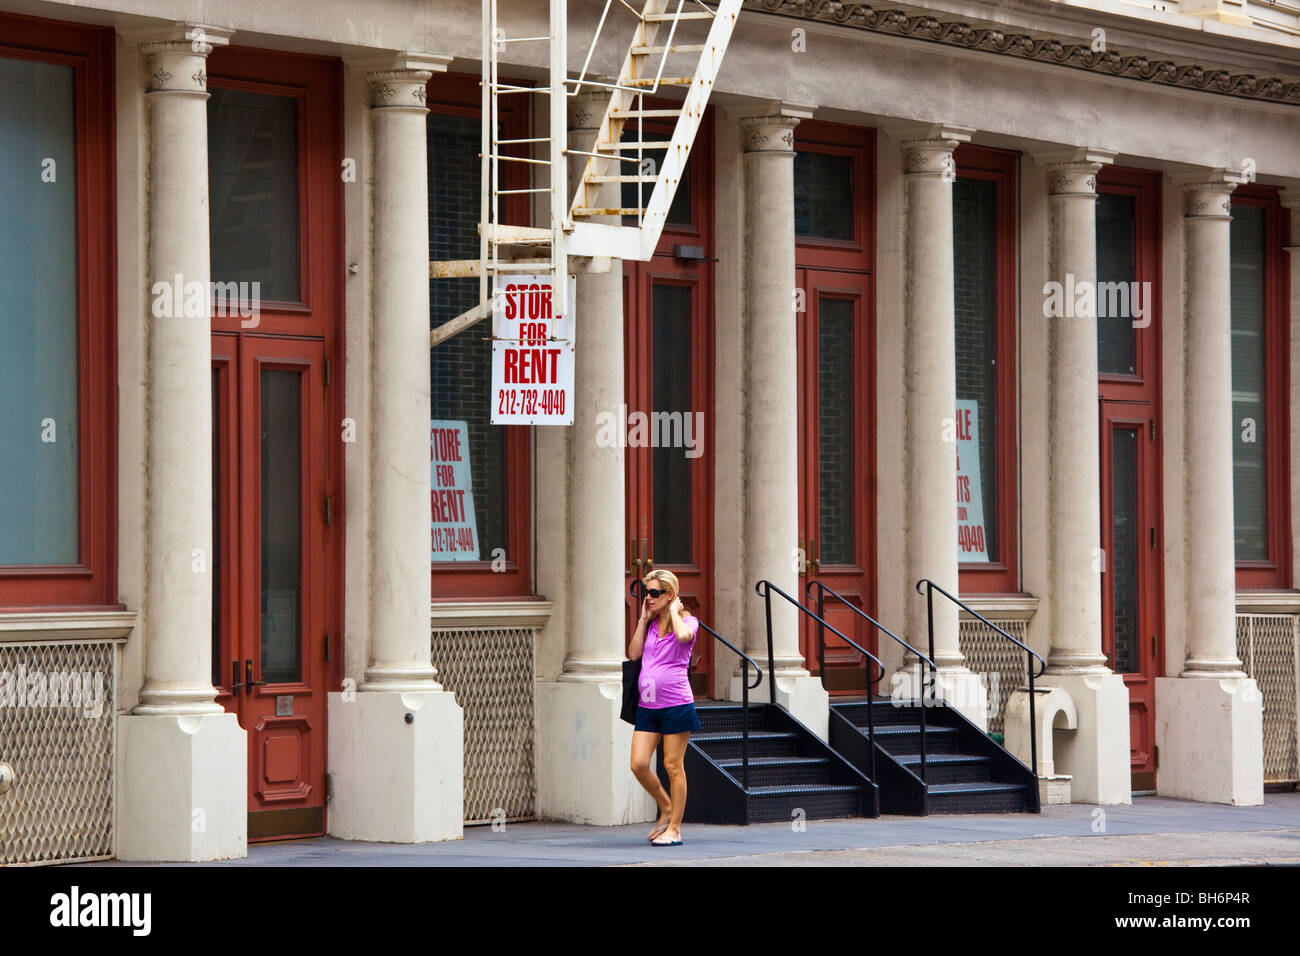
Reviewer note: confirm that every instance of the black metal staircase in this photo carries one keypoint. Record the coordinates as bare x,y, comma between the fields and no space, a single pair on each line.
927,757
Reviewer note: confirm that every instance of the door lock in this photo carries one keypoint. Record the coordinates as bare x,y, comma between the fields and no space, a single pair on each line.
248,675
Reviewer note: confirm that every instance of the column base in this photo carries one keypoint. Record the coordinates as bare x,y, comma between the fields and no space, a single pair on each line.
802,695
395,781
1210,734
958,687
1096,753
182,788
584,756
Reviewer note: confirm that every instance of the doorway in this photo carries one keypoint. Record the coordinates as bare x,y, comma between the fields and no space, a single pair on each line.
1128,365
276,226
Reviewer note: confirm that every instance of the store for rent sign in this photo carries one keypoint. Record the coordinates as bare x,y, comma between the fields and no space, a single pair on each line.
532,353
454,526
970,495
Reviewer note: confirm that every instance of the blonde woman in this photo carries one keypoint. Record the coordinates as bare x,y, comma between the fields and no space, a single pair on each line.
664,639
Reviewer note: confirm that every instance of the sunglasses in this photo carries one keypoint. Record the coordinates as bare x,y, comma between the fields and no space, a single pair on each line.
655,593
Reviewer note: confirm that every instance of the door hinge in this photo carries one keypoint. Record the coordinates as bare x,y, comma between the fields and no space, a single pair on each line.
1155,753
1153,537
329,509
329,787
1154,652
1152,422
327,371
329,647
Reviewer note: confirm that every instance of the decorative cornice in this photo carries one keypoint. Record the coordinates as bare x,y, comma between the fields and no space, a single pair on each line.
1077,54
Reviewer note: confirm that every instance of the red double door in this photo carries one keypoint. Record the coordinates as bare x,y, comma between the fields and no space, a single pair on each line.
276,221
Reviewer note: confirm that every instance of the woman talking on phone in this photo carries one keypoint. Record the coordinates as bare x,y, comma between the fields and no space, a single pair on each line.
664,639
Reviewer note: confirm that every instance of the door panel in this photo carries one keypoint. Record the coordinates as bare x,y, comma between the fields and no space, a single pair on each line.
1131,577
668,347
835,428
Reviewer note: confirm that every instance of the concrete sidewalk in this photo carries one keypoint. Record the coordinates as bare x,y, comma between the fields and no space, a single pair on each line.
1153,831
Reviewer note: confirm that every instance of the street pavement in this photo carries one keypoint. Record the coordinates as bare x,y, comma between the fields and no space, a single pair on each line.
1153,831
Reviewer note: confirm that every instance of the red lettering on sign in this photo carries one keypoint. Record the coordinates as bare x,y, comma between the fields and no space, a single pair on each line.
512,367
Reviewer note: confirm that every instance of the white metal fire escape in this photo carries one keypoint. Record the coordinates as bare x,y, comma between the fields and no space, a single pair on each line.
675,44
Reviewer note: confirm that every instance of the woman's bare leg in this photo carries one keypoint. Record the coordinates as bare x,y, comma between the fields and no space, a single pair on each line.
674,752
643,751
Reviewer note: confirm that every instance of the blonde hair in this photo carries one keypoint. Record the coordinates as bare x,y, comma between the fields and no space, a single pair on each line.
666,578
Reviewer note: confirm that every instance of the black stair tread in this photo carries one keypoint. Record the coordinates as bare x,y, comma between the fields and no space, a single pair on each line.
698,737
910,729
975,787
939,758
804,788
773,761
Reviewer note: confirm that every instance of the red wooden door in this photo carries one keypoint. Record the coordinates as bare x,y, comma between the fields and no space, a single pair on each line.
276,229
1128,364
669,374
836,427
274,631
1131,576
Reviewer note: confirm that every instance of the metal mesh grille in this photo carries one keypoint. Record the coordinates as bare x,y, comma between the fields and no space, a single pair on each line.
58,733
998,662
1266,644
491,674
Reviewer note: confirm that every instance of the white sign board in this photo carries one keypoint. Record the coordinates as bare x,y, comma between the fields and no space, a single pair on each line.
454,525
971,544
532,353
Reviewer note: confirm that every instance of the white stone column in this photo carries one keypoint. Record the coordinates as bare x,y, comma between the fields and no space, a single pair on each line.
181,757
583,756
1209,724
396,744
1096,754
772,414
930,377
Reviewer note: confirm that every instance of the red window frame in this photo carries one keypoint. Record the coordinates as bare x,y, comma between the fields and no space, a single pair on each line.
1275,572
1001,168
92,582
455,94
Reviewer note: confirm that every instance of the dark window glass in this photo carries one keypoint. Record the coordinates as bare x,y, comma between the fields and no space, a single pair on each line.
462,365
835,393
1249,409
1116,278
39,420
651,161
253,188
670,417
1123,571
823,196
974,227
281,507
216,528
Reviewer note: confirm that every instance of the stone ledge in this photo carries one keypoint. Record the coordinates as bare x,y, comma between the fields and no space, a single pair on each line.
451,615
99,625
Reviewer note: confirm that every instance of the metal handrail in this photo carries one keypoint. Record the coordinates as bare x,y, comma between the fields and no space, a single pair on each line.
822,591
635,589
930,588
764,589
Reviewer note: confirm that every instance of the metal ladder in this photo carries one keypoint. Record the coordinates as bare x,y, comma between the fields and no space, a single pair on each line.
572,240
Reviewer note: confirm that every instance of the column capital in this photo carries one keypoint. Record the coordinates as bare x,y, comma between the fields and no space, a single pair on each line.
1072,171
1211,199
769,132
387,61
1069,155
1290,197
201,38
